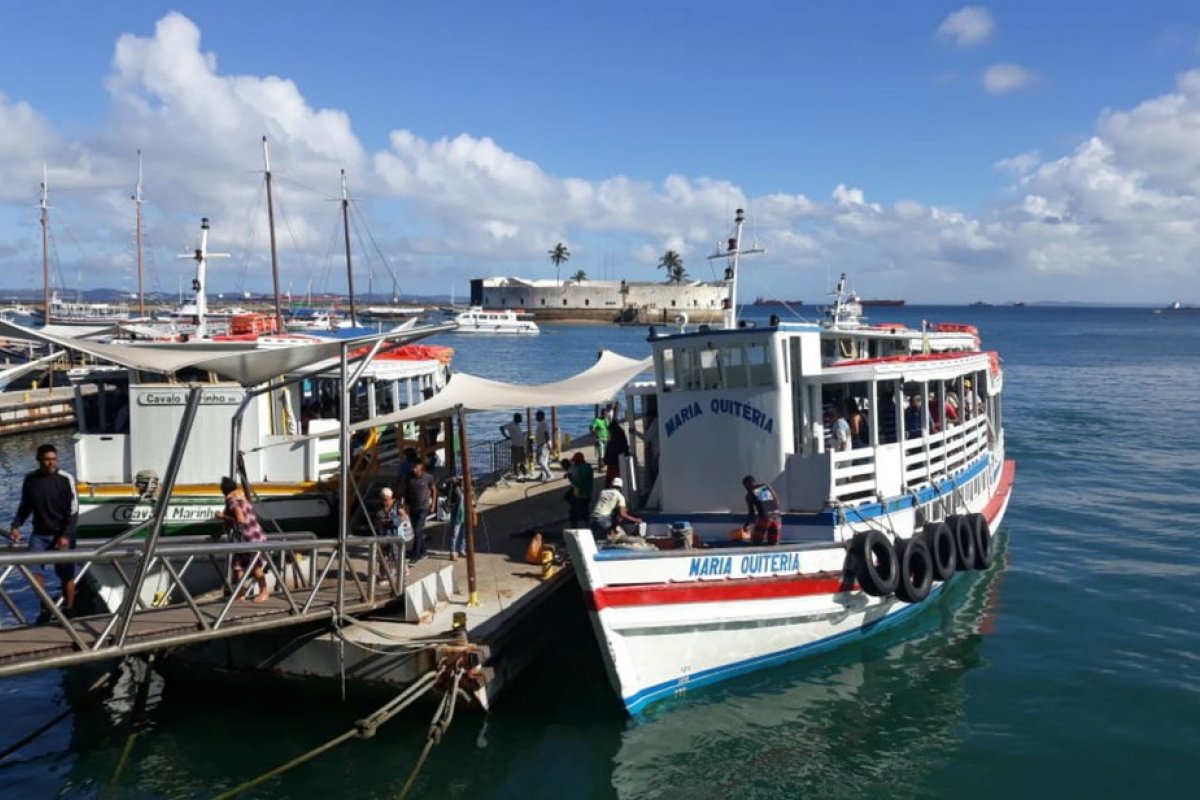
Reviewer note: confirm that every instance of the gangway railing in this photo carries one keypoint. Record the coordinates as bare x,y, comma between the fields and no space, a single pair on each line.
195,599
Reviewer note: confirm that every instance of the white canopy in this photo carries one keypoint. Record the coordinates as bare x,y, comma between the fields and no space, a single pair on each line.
596,384
247,367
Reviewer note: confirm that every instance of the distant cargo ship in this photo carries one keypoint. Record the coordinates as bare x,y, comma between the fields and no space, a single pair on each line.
891,303
763,301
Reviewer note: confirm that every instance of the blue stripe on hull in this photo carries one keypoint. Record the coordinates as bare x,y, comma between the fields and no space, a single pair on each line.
637,702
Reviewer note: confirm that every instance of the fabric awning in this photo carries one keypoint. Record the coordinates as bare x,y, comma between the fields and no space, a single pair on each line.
596,384
230,361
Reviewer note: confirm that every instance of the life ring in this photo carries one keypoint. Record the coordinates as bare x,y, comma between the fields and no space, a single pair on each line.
942,550
878,569
916,570
982,534
964,540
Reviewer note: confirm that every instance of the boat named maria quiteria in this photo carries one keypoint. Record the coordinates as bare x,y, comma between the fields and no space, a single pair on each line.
870,533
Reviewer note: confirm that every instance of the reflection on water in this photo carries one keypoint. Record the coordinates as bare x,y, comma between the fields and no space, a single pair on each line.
840,724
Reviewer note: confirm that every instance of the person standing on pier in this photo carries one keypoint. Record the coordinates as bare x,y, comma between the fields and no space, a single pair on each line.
542,437
599,429
48,494
419,492
516,442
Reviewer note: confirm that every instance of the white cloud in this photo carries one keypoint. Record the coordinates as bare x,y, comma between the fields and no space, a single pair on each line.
1002,78
968,27
1020,164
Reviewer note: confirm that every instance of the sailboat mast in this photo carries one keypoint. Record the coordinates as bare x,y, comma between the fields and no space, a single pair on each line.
271,228
45,217
137,204
346,229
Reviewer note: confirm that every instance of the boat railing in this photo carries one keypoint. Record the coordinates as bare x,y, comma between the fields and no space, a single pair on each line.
941,453
855,474
308,580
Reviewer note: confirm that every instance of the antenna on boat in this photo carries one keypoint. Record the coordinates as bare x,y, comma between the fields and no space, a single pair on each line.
346,229
733,252
137,205
45,218
201,256
271,229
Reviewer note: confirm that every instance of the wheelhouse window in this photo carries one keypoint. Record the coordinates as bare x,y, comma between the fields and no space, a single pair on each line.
738,366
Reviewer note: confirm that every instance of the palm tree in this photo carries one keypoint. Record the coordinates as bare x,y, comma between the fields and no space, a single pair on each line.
558,256
672,262
579,277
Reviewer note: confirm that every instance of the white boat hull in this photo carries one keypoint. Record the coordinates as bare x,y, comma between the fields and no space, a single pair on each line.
673,620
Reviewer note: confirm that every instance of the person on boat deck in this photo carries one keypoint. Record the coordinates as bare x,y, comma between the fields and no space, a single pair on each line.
762,504
410,458
951,408
935,413
516,443
858,424
839,430
48,494
610,511
242,524
419,492
542,438
914,424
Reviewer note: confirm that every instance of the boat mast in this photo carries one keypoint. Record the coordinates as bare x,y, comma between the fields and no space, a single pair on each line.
346,230
733,253
45,217
201,257
137,204
271,229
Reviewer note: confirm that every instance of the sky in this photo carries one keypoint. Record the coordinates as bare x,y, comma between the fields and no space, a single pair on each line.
936,152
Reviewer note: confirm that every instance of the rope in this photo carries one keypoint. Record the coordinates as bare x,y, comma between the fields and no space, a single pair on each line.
363,729
437,727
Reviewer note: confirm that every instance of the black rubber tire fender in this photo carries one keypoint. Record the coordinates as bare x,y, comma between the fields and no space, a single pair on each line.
982,534
916,570
942,550
878,570
964,540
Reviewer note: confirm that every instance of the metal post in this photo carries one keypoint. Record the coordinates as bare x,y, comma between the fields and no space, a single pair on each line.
129,602
274,250
343,481
468,510
555,441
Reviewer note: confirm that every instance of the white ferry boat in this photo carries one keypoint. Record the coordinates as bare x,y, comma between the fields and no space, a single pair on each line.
63,312
870,533
478,320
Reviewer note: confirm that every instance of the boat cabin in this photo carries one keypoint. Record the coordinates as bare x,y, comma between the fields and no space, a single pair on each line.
763,401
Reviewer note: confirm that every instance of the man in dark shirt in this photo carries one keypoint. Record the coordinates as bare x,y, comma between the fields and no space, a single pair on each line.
419,492
48,494
762,505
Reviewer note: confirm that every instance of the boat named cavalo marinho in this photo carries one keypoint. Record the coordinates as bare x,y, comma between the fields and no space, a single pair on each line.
869,462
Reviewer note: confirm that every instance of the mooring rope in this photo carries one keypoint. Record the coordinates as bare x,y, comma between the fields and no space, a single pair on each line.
363,729
437,727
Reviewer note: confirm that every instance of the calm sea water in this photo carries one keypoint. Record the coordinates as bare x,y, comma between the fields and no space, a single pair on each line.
1073,671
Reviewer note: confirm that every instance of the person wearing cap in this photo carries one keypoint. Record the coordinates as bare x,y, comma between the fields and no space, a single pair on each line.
610,510
391,520
762,504
582,478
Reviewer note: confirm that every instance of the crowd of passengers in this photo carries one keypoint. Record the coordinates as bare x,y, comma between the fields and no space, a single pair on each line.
845,424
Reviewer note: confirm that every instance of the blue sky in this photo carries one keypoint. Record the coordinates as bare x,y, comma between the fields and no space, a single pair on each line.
936,151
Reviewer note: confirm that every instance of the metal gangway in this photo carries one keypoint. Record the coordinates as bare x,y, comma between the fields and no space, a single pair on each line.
185,594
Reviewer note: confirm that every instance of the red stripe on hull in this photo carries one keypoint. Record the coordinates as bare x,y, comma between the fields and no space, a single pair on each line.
713,591
1003,490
